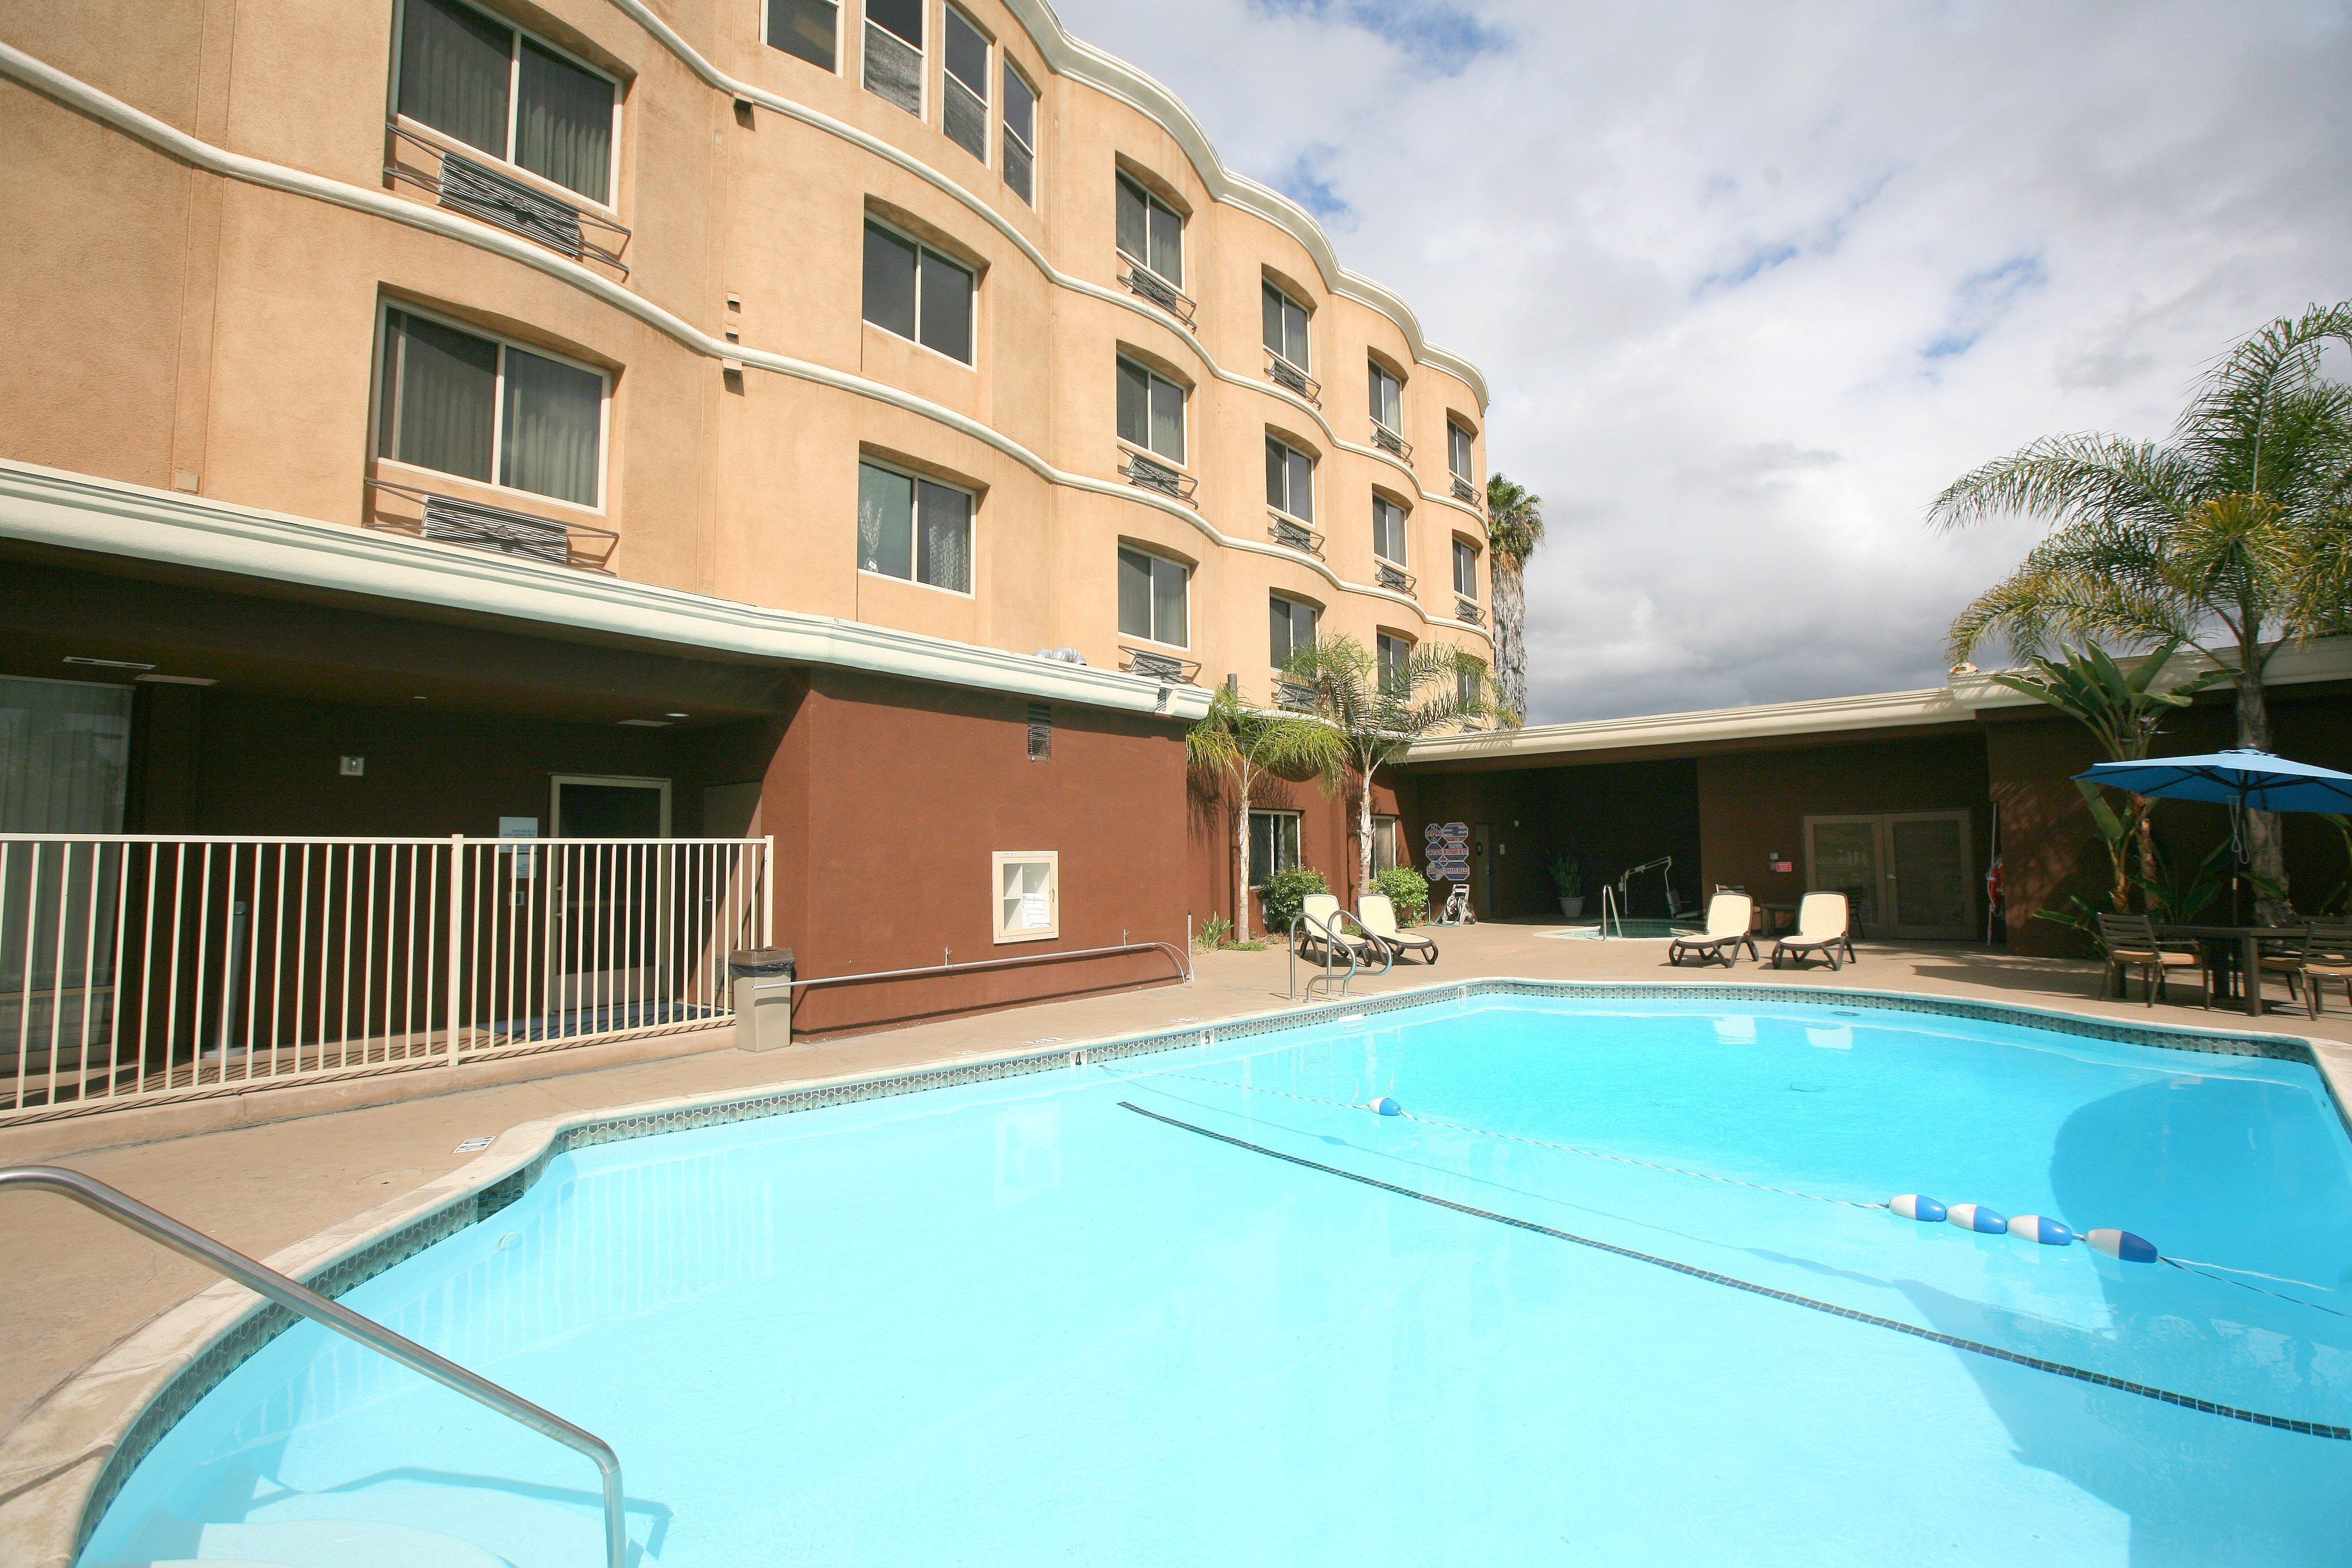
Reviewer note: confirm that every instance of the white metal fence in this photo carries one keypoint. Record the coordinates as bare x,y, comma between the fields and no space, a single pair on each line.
138,967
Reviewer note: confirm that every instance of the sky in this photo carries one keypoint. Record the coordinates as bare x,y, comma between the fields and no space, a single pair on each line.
1750,283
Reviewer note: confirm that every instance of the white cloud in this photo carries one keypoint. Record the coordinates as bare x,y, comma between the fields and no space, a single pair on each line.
1751,283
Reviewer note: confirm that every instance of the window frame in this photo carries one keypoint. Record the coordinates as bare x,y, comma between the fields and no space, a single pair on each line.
999,863
838,51
1259,869
1467,551
506,160
1379,373
1306,330
915,522
1314,625
1183,412
1403,529
949,13
1183,570
1388,836
922,249
1029,143
922,110
378,414
1469,678
1152,201
1395,677
1307,517
1469,442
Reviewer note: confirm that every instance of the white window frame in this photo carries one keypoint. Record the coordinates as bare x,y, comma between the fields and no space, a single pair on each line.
949,81
1404,531
1387,830
1258,870
1312,465
1315,614
922,110
1469,450
922,248
840,52
1381,643
1030,142
1156,556
1005,859
514,108
1382,371
1307,337
1183,413
1464,548
377,413
914,553
1151,199
555,783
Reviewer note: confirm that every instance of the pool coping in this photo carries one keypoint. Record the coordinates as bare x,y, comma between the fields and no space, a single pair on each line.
64,1463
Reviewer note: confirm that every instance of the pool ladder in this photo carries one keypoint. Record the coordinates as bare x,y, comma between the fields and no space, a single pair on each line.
1332,946
1609,912
299,1299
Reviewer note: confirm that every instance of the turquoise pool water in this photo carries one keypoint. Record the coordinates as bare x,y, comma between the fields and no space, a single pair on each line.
1023,1322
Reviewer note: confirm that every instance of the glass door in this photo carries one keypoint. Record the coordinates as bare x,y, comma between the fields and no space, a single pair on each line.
1905,875
608,897
1842,856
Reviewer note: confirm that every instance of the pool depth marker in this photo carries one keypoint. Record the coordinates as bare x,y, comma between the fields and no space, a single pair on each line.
2058,1368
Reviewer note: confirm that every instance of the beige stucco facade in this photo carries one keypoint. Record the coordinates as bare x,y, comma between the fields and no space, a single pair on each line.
193,304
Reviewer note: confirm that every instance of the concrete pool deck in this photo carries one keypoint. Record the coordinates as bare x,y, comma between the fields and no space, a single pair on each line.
75,1288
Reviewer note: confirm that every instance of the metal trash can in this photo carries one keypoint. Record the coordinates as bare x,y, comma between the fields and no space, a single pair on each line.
761,978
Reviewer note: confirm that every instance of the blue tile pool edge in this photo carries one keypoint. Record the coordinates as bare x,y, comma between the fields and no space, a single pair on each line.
401,1240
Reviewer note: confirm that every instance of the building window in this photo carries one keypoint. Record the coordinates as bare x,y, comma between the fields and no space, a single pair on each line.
1151,232
1151,590
807,28
1285,327
1028,894
1457,451
894,52
1290,480
484,409
916,292
1019,134
1274,844
1293,628
964,114
501,92
1395,657
1469,682
1388,530
1387,400
1386,838
915,529
1150,411
1465,569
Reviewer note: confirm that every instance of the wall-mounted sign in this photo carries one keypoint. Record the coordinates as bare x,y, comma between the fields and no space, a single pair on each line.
526,860
1447,849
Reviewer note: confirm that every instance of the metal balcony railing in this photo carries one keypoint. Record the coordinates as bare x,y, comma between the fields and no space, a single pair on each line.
1162,667
478,526
1466,613
480,191
1389,441
1463,490
1392,577
1282,373
1147,284
1296,696
1292,535
1151,474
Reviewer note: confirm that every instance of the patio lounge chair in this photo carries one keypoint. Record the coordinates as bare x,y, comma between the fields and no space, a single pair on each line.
1379,917
1822,927
2131,943
1728,917
1326,923
2324,953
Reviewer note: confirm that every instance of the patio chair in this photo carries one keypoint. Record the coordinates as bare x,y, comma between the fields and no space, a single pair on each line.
1326,923
1822,927
1729,916
2323,953
1378,915
2131,943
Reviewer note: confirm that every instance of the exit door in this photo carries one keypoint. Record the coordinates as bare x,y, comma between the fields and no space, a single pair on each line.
1904,874
1487,849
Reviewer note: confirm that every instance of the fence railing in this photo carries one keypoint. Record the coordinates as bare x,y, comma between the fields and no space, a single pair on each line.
138,967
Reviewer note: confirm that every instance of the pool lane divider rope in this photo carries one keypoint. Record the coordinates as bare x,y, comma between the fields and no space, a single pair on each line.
2037,1363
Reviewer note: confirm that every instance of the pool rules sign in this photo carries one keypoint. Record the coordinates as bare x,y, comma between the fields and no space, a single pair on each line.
1446,848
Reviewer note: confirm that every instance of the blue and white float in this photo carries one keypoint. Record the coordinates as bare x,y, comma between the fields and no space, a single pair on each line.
1915,1205
2121,1245
1384,1106
1976,1217
2041,1228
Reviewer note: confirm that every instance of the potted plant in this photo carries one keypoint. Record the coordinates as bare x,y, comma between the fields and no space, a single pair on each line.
1568,878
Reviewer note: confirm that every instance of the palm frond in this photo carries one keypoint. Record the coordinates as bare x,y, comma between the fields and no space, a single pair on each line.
2066,479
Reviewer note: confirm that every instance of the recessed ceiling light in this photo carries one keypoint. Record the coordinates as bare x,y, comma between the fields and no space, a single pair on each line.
107,663
416,699
645,724
178,679
674,715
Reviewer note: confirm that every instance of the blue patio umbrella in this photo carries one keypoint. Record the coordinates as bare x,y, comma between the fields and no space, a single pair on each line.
2243,780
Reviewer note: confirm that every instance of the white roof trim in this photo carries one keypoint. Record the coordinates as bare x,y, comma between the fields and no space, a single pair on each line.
76,511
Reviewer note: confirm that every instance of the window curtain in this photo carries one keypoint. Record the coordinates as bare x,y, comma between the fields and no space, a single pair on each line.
1168,419
442,382
945,559
1132,223
553,424
1134,403
1302,485
454,65
886,521
65,753
893,70
1168,603
1019,135
965,112
1134,594
563,123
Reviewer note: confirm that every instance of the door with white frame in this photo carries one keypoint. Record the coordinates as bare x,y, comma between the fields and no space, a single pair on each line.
609,893
1907,875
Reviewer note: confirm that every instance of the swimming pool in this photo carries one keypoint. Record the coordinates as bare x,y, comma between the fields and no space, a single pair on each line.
1201,1306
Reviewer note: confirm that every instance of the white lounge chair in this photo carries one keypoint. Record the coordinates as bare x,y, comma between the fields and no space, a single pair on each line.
1378,915
1728,917
1822,927
1327,923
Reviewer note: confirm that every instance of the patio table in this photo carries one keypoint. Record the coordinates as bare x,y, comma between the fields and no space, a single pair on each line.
2250,940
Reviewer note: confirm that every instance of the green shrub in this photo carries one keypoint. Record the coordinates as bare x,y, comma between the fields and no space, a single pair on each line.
1213,932
1285,893
1408,890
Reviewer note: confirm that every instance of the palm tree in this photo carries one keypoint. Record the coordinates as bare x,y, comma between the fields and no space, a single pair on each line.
1377,713
2233,537
1515,526
1235,741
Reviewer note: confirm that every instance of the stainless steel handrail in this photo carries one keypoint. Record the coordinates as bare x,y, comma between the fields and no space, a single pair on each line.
299,1299
1334,944
1183,966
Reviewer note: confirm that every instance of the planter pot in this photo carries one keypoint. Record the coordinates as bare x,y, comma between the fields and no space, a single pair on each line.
1572,907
